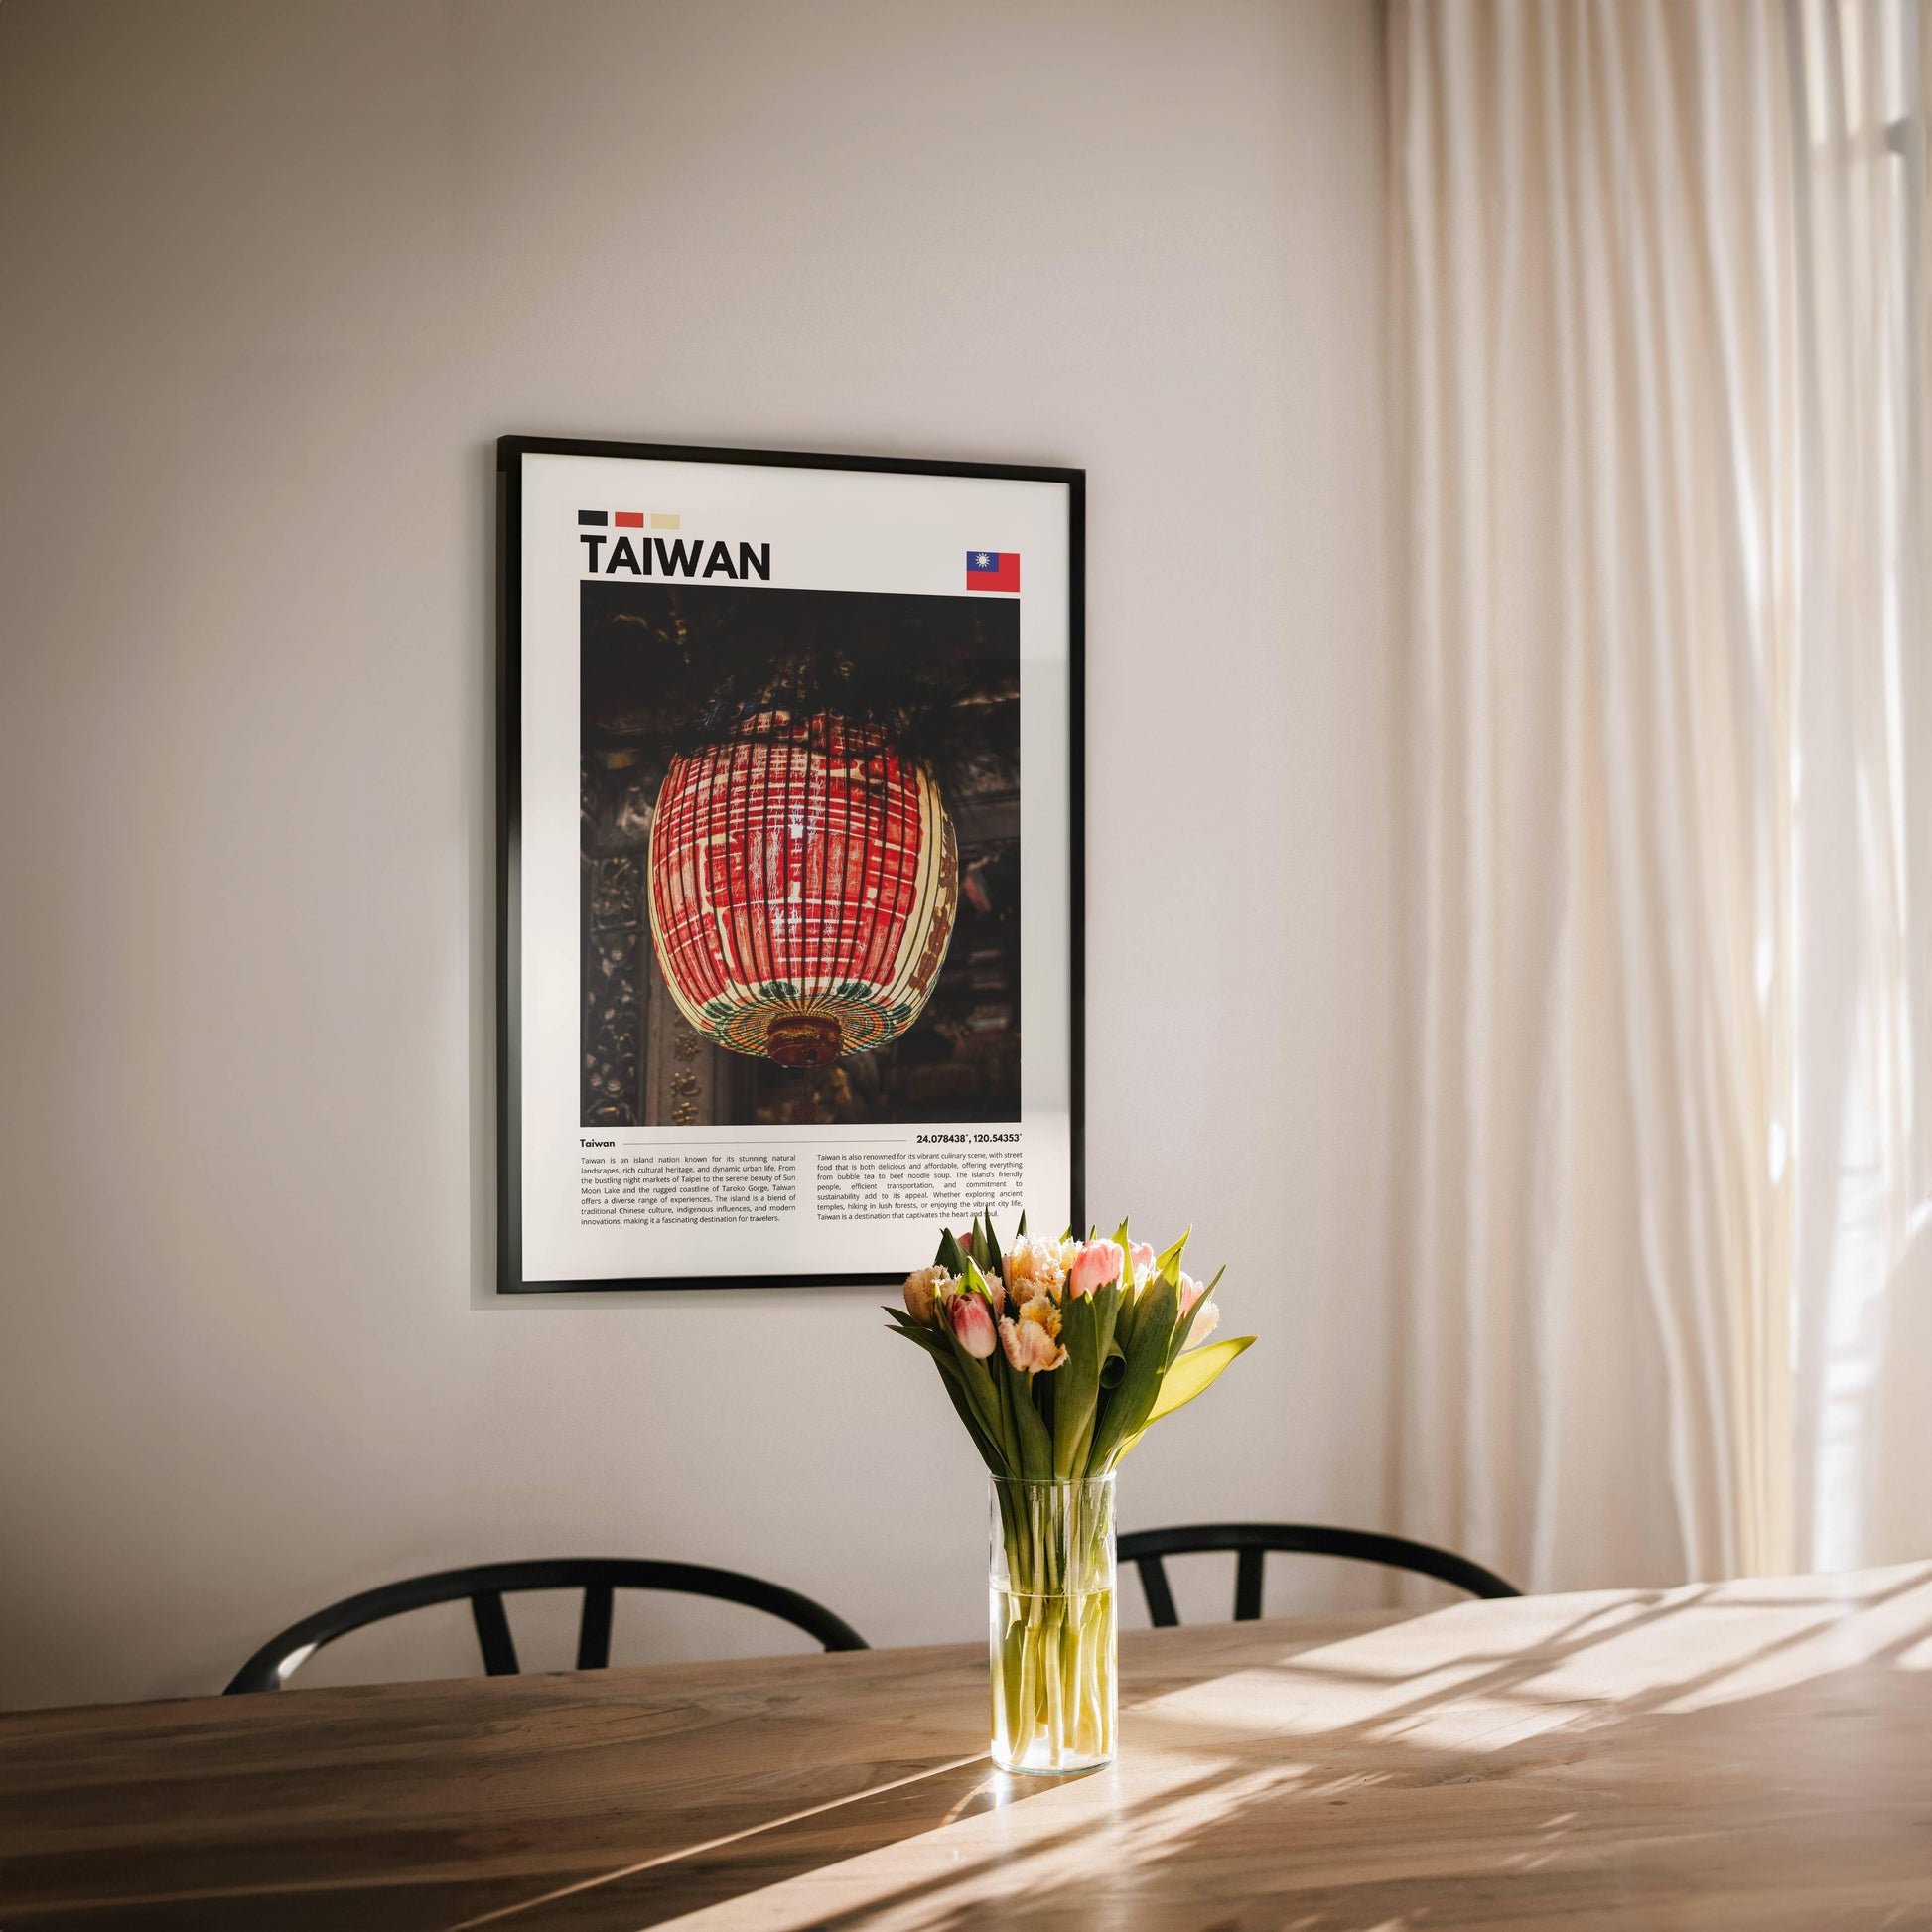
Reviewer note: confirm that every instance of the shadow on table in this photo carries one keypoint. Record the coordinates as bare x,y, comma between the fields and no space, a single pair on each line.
1756,1757
1404,1782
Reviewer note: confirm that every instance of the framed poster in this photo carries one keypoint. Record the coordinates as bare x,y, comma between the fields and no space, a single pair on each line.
792,893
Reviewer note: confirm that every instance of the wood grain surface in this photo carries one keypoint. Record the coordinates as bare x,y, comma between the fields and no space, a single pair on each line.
1751,1754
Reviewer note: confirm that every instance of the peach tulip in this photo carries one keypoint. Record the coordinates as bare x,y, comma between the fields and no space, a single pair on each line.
1033,1267
1046,1312
1028,1347
924,1288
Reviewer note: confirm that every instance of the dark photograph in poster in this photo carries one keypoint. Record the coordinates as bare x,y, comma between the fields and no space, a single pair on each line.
801,857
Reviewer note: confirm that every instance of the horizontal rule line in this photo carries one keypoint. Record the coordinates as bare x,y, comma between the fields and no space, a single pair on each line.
868,1140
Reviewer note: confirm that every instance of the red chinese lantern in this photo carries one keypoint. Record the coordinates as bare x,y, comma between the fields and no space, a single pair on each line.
803,884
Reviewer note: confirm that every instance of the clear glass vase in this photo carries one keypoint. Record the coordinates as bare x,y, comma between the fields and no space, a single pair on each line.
1052,1634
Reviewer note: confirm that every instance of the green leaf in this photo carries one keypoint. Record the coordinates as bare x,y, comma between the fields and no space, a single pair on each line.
1146,1361
1106,1324
976,1378
929,1339
1036,1445
991,1454
1012,1389
948,1359
1193,1374
952,1258
1132,1305
1076,1384
1107,1303
940,1350
1167,1262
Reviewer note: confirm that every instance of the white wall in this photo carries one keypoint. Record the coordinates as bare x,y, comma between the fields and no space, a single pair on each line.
275,277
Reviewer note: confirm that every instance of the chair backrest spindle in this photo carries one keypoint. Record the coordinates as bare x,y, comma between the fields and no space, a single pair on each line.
1159,1598
493,1634
594,1633
1247,1584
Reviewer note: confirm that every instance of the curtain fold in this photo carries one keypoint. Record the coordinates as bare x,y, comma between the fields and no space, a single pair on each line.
1660,359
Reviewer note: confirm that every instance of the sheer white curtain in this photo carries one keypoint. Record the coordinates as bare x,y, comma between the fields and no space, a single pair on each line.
1665,1232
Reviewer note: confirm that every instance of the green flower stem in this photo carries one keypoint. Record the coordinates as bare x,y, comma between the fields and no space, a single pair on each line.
1053,1627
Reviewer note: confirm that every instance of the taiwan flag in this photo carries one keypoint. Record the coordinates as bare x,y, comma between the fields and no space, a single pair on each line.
992,570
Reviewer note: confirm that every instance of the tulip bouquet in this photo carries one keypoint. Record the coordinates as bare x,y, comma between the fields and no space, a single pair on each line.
1058,1356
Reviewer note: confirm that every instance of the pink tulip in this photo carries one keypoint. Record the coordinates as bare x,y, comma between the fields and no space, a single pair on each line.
1098,1263
1203,1325
1030,1348
1141,1255
972,1324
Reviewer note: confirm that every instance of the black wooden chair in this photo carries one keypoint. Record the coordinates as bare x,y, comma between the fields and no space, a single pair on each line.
486,1585
1144,1549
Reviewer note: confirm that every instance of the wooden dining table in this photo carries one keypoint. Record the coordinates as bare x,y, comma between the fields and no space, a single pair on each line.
1754,1755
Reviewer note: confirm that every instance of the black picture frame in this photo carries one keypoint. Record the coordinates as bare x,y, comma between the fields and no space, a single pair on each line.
510,451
